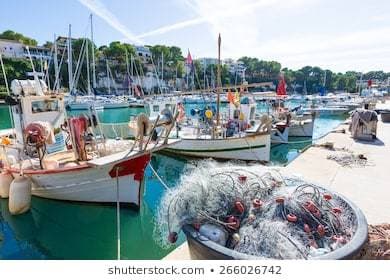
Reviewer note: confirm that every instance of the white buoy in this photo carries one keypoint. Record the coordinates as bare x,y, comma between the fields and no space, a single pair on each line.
19,195
5,182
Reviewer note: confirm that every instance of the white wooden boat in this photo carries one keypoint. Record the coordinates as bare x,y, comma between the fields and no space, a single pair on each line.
67,159
248,147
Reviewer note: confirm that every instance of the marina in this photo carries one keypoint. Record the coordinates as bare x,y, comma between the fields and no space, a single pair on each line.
119,149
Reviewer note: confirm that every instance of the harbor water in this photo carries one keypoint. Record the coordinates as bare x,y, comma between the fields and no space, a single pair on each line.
63,230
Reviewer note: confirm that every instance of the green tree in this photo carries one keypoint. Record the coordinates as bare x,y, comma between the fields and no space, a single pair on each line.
12,35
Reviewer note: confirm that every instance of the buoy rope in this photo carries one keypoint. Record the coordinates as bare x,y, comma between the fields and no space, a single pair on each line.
313,140
158,177
118,218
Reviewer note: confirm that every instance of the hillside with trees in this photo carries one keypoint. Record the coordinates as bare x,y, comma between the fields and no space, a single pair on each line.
308,79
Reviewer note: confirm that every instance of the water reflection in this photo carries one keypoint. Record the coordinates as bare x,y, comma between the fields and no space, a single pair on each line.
63,230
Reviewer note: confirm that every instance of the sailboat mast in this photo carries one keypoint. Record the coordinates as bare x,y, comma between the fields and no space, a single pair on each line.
127,71
218,76
108,78
93,57
162,68
56,71
88,75
70,70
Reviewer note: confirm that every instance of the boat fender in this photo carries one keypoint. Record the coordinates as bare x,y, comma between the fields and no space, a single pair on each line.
208,114
214,233
5,182
19,195
142,125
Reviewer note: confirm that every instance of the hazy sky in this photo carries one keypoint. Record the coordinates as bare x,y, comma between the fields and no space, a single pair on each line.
336,34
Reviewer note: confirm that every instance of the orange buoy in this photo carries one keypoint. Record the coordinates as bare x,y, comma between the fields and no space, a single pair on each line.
292,218
233,223
257,203
321,230
336,210
239,207
306,228
327,196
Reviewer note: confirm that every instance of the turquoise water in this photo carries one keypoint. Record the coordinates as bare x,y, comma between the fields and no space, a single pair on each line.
62,230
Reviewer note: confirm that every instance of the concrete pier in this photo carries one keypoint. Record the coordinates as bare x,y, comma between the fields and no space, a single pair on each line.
368,187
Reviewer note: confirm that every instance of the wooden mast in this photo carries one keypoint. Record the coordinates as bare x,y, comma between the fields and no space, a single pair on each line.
218,77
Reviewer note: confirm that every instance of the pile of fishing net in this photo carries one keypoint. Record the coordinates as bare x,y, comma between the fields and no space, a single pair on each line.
257,211
348,159
378,245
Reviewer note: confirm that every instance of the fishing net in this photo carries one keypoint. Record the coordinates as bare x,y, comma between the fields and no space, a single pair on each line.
348,159
378,245
264,212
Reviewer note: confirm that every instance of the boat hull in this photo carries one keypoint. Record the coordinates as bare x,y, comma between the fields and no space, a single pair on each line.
250,148
301,129
92,184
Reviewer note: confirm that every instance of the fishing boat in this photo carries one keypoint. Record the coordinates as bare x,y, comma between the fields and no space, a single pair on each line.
69,158
229,136
115,103
326,110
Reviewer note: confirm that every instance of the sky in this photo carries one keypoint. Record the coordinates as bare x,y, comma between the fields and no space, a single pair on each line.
339,35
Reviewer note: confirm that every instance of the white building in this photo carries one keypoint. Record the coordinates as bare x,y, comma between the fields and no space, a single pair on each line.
11,49
206,61
15,49
143,53
236,67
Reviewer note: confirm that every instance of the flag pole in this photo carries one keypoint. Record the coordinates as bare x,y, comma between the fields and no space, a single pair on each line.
218,76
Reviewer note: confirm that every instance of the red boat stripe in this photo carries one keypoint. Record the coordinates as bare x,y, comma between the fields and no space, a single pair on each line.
134,166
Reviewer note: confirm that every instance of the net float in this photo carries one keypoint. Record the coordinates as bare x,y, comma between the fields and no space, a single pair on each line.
292,218
306,228
336,210
242,179
317,214
251,218
172,237
239,207
321,230
327,196
279,200
236,237
196,226
257,203
233,223
339,239
310,206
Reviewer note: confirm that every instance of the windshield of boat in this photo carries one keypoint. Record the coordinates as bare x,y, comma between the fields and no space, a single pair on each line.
41,106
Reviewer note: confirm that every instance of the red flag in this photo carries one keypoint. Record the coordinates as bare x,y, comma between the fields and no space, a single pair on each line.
281,89
369,83
189,58
230,96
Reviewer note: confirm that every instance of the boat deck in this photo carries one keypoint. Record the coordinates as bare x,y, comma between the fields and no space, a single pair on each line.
116,157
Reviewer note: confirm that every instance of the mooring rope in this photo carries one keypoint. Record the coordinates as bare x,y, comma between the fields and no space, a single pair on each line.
118,218
158,177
